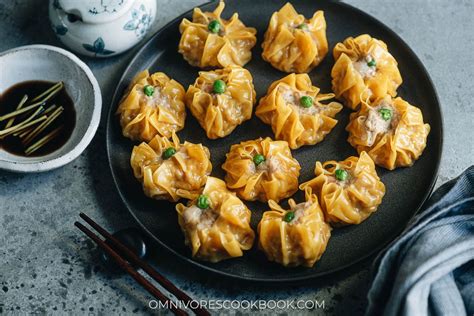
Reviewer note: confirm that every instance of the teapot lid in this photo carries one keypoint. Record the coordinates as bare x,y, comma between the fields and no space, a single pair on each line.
96,11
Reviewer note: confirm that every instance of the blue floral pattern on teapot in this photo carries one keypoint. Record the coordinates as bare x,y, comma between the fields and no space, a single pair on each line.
101,28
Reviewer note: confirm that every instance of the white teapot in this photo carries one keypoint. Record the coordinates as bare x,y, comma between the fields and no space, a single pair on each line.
101,28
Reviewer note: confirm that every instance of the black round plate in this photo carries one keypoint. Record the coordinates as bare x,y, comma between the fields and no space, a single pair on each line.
407,188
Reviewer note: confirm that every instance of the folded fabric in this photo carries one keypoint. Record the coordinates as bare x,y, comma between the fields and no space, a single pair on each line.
429,269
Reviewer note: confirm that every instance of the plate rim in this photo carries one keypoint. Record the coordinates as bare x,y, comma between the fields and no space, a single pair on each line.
188,260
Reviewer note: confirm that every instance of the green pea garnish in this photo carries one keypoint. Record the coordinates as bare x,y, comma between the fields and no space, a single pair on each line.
202,202
341,174
219,86
306,101
372,63
386,114
289,216
214,26
303,26
148,90
258,159
168,153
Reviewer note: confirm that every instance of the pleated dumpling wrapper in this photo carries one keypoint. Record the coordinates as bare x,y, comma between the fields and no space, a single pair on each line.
390,130
211,41
297,236
364,69
152,105
216,225
293,43
294,110
171,170
349,191
261,169
221,100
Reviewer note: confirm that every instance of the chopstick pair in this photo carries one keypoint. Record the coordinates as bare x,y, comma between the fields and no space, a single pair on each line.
114,250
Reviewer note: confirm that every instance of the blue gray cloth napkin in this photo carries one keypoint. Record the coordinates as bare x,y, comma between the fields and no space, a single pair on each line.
429,269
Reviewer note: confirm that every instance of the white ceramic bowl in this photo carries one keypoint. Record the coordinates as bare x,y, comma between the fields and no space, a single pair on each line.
49,63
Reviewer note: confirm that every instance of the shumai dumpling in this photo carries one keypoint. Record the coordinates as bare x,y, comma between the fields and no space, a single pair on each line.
170,170
221,99
293,43
216,225
364,69
293,108
261,169
348,191
297,236
390,130
210,41
152,105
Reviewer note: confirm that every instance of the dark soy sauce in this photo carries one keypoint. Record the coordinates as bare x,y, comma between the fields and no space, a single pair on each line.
8,103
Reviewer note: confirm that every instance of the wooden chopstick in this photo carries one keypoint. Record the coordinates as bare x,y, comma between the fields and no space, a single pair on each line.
131,271
133,258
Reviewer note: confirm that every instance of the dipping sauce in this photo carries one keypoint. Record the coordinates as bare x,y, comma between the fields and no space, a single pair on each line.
64,123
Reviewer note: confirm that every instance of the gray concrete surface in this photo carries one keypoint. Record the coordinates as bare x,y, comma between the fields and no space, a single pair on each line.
48,267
